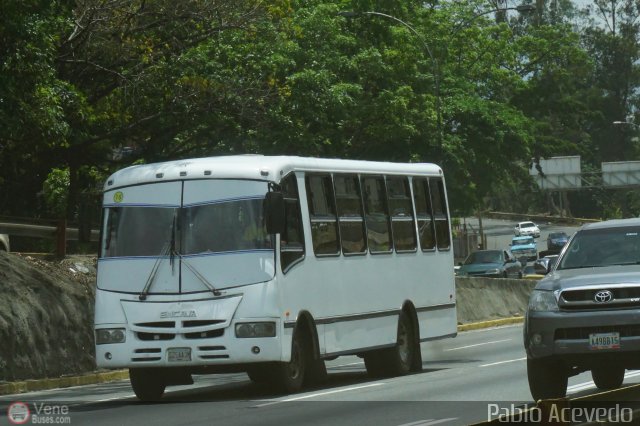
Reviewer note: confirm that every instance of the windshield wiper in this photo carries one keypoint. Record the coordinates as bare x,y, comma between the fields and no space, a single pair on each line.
198,275
168,249
154,271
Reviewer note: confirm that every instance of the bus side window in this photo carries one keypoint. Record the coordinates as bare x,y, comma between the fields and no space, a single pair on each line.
377,214
440,213
292,240
424,214
322,213
402,224
349,203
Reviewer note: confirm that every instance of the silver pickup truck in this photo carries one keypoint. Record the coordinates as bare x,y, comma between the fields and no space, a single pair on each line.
585,314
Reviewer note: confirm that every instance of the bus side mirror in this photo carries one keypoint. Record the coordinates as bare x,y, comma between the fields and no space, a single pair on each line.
274,212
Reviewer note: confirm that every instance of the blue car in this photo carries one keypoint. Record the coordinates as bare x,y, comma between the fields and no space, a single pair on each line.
524,247
490,263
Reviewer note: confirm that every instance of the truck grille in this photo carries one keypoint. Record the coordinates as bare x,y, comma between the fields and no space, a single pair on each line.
623,297
167,330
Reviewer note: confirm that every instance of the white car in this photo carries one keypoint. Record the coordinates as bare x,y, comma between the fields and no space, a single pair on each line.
4,242
527,229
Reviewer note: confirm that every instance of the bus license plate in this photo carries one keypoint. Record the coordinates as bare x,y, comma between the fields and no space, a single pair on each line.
604,341
179,354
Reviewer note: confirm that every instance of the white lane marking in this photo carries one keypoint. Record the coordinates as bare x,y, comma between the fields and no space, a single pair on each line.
590,384
429,422
345,365
115,398
313,395
503,362
477,344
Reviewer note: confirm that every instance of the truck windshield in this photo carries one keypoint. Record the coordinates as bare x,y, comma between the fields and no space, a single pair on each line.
209,228
603,247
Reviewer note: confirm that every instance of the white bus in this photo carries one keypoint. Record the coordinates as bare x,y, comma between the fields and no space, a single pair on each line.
271,265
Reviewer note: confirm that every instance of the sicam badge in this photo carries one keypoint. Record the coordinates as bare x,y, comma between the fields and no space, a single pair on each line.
18,413
118,196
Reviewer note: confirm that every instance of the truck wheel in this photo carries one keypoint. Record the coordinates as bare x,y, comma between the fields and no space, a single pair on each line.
147,383
547,379
608,378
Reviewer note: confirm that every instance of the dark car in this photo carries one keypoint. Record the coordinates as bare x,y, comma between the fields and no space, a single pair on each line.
583,316
490,263
556,240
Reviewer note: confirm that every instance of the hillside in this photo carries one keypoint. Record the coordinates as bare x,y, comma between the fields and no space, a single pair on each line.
46,316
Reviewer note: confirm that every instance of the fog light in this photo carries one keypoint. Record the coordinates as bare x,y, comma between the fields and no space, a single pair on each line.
255,350
108,355
536,339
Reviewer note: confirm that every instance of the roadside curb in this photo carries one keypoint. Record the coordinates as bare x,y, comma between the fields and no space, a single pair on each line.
11,388
490,323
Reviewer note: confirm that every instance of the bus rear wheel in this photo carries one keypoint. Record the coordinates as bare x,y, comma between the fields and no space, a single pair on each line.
395,361
147,383
400,357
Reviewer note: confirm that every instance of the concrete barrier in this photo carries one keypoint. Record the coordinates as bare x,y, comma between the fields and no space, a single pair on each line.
483,299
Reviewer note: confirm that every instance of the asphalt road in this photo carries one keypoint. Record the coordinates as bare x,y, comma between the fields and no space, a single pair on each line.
463,380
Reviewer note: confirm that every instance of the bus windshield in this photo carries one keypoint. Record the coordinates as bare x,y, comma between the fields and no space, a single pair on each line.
209,228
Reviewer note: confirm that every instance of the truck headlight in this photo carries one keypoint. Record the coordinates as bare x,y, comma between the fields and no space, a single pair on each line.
255,329
110,335
543,301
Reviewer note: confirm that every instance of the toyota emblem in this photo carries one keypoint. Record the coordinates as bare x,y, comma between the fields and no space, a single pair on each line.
603,296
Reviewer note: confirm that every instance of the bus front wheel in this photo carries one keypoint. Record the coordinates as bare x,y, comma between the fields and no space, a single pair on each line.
147,383
289,376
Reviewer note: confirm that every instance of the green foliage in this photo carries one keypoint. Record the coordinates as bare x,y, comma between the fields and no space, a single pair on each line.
55,191
447,82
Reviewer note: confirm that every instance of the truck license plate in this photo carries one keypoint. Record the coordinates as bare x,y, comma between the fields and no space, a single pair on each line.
604,341
179,354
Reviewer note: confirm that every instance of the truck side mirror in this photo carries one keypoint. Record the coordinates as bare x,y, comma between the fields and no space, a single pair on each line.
274,212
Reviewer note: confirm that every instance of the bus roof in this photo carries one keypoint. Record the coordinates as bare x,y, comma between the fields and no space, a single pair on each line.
268,168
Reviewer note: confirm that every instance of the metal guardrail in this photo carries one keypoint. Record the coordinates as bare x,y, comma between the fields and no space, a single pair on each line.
54,230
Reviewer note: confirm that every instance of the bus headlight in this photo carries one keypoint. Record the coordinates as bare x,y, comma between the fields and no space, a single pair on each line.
255,329
543,301
110,335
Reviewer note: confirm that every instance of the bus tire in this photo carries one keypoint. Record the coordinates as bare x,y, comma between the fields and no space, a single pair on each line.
289,376
395,361
316,372
259,374
399,359
147,383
